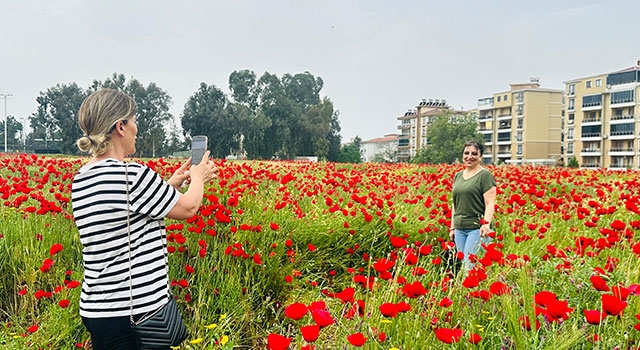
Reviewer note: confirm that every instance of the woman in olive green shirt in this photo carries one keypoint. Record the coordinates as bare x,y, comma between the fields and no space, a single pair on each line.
474,197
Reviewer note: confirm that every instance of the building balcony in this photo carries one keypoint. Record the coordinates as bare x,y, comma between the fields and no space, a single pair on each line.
506,127
588,136
504,117
591,152
622,135
623,118
485,118
622,151
591,165
590,107
485,130
592,121
406,126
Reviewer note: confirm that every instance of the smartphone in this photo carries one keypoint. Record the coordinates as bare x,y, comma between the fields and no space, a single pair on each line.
198,147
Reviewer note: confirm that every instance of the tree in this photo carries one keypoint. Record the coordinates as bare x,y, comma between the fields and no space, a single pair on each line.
207,112
350,153
573,163
14,133
242,85
446,135
55,123
334,138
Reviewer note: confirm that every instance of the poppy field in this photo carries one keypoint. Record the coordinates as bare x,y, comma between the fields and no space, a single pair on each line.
296,255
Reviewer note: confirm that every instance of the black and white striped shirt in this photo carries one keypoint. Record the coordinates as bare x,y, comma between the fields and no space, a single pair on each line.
99,202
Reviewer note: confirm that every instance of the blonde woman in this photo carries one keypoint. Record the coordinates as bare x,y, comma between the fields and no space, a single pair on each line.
119,207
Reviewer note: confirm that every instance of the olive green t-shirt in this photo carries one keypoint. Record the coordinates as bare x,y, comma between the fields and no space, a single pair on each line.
468,198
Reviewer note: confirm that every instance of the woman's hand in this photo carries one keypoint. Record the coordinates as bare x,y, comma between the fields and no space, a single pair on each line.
485,230
181,176
205,171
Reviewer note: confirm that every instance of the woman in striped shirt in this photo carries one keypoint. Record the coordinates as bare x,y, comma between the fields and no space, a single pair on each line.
100,208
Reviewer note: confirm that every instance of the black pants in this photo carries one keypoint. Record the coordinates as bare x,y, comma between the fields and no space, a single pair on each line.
113,333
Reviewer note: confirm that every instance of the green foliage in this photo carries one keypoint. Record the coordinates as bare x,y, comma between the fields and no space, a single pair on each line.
573,163
208,112
14,134
55,122
350,153
446,135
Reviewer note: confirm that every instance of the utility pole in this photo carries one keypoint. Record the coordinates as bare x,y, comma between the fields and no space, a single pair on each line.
5,96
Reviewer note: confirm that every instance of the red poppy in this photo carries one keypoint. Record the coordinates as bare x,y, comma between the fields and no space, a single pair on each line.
499,288
277,342
357,339
414,290
322,317
474,338
55,249
296,311
310,333
64,303
470,282
346,295
449,335
599,283
612,305
594,316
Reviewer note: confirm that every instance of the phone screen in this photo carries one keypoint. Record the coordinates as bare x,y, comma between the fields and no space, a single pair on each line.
198,147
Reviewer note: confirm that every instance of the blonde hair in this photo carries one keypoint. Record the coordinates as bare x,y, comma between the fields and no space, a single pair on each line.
97,117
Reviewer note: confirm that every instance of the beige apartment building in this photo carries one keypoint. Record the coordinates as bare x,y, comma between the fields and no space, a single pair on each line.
414,125
522,125
601,120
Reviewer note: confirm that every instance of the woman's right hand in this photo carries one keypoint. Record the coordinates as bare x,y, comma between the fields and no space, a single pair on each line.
205,171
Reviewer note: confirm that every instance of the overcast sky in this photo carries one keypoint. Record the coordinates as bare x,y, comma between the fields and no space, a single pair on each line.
377,58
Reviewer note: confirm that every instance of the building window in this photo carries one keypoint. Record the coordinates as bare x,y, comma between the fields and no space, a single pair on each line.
591,101
570,148
598,82
504,97
572,90
519,149
572,118
519,136
622,96
519,109
498,100
588,84
572,104
570,134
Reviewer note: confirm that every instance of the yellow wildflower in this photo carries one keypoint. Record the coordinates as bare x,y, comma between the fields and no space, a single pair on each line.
211,326
196,341
224,340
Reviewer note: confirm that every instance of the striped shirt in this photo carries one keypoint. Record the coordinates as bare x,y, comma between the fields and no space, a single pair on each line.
99,200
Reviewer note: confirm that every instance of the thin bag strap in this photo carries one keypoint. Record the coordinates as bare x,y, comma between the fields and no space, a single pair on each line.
126,177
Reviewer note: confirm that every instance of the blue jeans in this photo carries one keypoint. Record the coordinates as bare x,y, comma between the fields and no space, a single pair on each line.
468,242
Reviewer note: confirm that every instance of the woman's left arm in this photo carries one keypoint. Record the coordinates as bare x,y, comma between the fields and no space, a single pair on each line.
489,207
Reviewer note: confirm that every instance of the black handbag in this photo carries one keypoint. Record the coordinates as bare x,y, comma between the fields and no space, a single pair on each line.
159,329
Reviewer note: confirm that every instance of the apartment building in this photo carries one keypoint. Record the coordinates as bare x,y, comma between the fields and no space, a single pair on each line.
380,148
601,120
522,125
414,125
